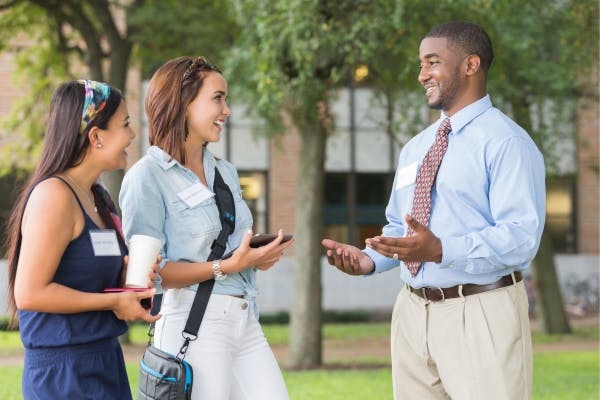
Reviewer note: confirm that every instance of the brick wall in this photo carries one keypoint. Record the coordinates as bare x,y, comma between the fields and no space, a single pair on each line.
283,172
588,193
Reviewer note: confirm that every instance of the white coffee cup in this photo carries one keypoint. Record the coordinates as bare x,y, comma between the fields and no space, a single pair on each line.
143,251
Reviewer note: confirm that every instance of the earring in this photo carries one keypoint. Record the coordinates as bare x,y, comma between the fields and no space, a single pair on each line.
99,145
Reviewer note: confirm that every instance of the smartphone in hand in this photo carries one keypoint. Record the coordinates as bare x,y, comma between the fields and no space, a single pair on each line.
261,239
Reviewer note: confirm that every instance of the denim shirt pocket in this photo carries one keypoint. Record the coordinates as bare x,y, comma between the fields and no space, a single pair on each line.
199,221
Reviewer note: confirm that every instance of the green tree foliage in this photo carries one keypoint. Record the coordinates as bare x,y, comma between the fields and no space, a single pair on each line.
55,41
290,58
292,52
58,40
37,70
172,28
545,54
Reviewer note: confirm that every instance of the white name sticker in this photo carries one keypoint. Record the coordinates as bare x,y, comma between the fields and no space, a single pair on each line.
195,194
407,175
105,243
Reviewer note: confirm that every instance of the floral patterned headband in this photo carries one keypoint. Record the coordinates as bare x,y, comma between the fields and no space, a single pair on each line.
96,94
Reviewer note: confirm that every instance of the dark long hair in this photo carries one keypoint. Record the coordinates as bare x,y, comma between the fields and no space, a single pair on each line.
171,90
64,147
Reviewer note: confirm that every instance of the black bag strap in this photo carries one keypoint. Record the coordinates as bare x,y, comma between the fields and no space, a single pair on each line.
226,207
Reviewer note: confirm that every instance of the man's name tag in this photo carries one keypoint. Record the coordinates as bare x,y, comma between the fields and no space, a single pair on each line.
407,175
195,194
105,243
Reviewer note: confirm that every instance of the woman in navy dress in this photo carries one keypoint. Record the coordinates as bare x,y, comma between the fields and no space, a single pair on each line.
66,246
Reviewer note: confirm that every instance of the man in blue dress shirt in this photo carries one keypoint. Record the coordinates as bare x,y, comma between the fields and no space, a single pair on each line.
460,327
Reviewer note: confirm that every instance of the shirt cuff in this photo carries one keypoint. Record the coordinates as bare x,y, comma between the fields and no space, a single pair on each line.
382,263
158,281
453,252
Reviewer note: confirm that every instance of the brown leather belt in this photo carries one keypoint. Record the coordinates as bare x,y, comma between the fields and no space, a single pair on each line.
439,294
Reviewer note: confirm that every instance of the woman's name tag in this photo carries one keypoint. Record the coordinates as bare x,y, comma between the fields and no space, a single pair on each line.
104,242
195,194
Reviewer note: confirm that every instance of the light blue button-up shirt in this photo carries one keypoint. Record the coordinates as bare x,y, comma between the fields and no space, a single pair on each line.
488,203
151,206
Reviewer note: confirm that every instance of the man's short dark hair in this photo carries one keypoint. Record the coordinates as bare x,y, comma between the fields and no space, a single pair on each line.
467,37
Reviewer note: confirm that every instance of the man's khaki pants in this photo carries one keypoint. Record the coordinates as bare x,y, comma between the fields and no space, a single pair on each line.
468,348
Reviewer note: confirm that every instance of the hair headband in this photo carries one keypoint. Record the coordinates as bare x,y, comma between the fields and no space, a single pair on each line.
198,63
96,94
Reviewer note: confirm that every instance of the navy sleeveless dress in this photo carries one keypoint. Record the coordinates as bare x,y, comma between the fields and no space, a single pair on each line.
76,356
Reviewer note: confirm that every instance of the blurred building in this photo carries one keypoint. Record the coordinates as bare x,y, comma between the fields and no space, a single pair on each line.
360,164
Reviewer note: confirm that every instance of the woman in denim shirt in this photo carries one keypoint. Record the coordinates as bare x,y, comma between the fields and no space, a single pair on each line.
168,194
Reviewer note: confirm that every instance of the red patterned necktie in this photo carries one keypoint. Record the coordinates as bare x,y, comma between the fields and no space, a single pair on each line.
425,178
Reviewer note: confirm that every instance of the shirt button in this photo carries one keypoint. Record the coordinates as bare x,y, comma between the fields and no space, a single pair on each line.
244,306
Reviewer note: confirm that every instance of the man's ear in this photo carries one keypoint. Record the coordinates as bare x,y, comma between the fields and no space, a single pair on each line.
473,64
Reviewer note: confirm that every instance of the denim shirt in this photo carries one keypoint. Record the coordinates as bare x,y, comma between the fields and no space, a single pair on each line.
151,206
488,203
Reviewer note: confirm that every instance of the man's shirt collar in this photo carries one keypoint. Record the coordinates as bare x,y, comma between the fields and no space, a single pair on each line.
468,113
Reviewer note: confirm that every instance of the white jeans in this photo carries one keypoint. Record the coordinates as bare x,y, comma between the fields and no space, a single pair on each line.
231,358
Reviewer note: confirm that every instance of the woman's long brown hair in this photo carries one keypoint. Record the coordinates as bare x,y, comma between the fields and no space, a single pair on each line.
64,147
171,90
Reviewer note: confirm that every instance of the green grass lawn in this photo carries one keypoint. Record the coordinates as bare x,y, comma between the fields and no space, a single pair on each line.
279,334
570,375
558,376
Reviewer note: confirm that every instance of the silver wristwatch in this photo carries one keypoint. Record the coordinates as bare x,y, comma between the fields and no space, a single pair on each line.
219,275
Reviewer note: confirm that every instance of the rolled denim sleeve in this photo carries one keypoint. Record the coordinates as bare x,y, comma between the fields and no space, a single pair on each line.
143,209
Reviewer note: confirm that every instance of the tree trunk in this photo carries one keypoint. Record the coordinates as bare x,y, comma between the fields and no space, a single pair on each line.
119,62
305,326
112,180
120,54
549,306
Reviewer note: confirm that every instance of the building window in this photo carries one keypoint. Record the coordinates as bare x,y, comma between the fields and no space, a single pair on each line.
254,192
560,217
354,206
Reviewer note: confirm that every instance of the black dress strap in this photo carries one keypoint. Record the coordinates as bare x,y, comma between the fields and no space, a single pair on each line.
72,190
